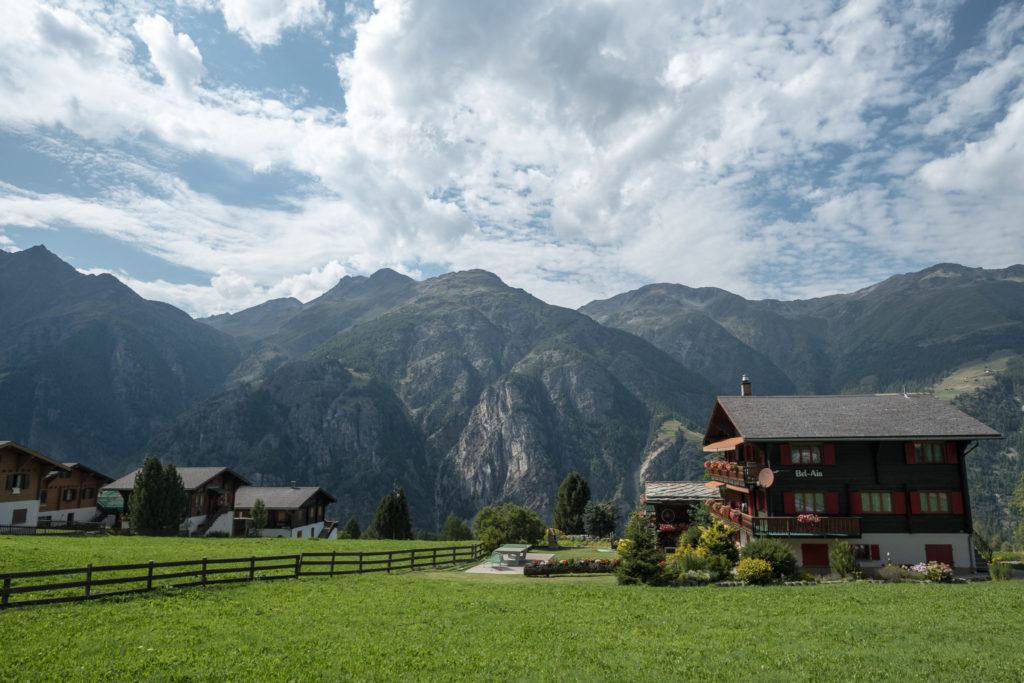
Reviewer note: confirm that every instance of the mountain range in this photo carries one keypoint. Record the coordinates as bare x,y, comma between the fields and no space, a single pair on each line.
463,390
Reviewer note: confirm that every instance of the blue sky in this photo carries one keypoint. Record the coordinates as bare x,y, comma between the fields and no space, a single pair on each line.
217,153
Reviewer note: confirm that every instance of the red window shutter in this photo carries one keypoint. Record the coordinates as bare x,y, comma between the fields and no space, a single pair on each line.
899,503
786,454
915,503
911,454
957,501
832,503
855,506
828,453
876,553
788,504
951,456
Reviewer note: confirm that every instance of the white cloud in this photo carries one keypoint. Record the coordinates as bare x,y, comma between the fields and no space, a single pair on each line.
176,57
261,22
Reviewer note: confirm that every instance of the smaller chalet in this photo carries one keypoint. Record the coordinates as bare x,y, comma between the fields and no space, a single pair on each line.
883,471
292,511
211,497
669,502
70,495
22,471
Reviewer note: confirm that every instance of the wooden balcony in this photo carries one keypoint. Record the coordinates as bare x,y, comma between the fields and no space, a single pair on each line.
828,527
738,474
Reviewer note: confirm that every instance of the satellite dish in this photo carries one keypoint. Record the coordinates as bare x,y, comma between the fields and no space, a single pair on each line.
765,478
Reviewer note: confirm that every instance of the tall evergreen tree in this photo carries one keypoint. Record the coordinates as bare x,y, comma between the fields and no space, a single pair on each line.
158,502
455,529
573,496
351,529
600,519
392,517
639,560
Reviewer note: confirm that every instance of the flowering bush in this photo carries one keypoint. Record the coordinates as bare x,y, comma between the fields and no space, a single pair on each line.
809,518
696,576
585,566
754,570
939,572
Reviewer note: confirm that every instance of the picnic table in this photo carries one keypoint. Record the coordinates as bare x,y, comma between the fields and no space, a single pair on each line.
513,553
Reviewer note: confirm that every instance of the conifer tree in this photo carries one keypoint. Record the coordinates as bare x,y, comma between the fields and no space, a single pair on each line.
639,561
573,496
455,529
392,517
158,502
351,529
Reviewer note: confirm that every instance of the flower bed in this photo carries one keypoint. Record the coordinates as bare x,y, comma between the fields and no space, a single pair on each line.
585,566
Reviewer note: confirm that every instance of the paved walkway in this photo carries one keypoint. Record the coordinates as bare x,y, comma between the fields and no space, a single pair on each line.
507,570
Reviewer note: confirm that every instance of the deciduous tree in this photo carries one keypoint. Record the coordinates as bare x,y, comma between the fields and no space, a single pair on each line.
455,529
508,523
259,516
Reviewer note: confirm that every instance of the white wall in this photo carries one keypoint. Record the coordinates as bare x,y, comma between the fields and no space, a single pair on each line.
85,514
7,512
901,548
224,523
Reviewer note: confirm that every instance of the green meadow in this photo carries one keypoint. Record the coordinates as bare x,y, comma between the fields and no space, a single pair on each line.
449,625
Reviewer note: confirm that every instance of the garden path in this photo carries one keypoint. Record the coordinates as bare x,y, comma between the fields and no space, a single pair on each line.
507,570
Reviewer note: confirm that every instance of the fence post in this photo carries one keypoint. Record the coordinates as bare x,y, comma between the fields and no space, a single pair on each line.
360,563
453,555
298,565
204,570
412,559
252,568
88,579
390,555
334,553
5,592
433,561
149,577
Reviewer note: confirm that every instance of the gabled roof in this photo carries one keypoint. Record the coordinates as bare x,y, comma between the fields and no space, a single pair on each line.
676,492
10,445
192,477
278,497
874,416
80,466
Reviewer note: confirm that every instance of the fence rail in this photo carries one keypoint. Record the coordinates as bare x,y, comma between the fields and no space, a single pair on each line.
149,575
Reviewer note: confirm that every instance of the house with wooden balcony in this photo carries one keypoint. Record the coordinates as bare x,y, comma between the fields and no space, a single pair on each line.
22,471
70,495
292,511
884,472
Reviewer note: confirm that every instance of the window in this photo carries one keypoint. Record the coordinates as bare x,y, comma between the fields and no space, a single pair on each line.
806,454
64,475
19,516
69,494
42,496
935,501
88,494
808,501
17,481
876,501
865,552
930,453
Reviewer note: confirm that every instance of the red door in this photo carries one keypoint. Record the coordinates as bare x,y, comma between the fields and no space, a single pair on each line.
814,554
939,553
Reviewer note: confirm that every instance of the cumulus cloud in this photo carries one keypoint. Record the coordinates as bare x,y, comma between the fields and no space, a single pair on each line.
176,57
576,148
261,22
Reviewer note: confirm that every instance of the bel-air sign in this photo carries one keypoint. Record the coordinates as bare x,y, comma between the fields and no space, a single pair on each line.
809,473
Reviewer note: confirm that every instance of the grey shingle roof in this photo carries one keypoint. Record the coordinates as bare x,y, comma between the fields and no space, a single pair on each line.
277,497
676,491
874,416
192,477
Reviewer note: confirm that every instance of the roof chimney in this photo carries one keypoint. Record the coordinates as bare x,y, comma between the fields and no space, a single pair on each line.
745,386
294,486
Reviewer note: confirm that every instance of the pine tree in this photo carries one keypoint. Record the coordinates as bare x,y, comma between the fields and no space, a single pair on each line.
158,502
455,529
351,529
600,519
639,561
573,496
392,517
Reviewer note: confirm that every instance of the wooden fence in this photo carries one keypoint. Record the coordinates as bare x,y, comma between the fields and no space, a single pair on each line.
92,582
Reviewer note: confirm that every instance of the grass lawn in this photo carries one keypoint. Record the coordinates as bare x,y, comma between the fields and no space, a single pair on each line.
448,625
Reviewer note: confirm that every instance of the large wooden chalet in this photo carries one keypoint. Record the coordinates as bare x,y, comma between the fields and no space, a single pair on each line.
292,511
22,471
70,495
884,472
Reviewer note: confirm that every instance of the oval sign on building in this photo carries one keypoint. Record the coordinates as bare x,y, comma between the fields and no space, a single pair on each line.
111,500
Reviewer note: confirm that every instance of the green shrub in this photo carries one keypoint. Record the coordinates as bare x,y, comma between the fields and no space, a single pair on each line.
687,559
939,572
841,560
775,552
720,567
698,576
754,570
892,572
690,537
640,563
1000,571
719,539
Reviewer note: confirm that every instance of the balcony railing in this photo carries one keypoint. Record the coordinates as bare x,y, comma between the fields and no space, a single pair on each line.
741,474
829,526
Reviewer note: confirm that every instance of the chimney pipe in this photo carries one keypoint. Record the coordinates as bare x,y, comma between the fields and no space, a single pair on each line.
745,386
294,486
